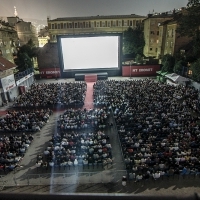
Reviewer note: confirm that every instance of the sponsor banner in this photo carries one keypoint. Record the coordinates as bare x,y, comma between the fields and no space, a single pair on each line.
24,78
140,70
8,82
49,72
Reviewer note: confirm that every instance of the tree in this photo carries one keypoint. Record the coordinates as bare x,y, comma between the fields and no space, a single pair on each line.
23,61
168,62
25,54
196,70
189,24
139,59
133,41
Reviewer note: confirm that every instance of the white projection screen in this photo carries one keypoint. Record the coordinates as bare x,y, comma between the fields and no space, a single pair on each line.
90,52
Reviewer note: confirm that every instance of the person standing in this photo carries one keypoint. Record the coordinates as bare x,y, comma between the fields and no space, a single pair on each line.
124,180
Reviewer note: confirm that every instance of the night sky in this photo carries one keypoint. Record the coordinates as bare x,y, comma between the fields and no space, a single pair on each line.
40,9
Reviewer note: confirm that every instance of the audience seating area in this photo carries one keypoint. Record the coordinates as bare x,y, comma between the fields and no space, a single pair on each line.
158,126
81,141
64,95
12,150
24,120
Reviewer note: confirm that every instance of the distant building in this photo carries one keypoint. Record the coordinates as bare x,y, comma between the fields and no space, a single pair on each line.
8,41
92,25
25,30
151,33
170,42
43,36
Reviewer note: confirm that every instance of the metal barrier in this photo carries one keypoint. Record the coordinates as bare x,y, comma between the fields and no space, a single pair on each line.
75,178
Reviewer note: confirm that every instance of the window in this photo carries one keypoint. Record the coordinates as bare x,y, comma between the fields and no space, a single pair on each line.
65,25
75,25
55,26
108,24
150,48
171,44
131,23
58,26
156,50
157,32
114,23
152,32
87,24
52,26
152,22
92,24
97,24
125,22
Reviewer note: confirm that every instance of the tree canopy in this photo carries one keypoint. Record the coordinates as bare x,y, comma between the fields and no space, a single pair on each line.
24,56
196,70
168,62
189,24
133,41
189,21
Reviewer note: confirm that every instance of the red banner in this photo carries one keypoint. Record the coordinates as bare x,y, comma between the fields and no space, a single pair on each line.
140,70
50,72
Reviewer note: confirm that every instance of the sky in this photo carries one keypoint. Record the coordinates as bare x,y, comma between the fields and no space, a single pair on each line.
40,9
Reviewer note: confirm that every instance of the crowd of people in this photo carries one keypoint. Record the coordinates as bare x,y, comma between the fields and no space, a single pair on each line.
158,126
73,119
77,148
25,120
12,150
62,94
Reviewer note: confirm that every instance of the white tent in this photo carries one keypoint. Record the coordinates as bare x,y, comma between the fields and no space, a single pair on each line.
176,79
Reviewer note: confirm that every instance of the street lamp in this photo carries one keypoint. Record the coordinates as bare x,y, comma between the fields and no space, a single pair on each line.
130,69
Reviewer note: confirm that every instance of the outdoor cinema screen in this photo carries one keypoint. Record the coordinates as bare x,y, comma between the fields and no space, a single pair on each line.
90,52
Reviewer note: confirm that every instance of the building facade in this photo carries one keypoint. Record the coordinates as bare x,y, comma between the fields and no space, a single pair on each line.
91,25
170,42
25,30
43,36
8,41
151,33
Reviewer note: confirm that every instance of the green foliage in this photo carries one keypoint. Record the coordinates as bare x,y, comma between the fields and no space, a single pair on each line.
189,21
178,67
25,55
139,59
133,41
168,62
195,67
23,61
189,24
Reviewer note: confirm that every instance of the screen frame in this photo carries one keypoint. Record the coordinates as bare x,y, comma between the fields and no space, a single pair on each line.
115,71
